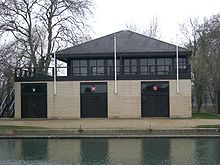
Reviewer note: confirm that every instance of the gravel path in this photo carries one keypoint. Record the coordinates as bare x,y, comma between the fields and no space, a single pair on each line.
136,124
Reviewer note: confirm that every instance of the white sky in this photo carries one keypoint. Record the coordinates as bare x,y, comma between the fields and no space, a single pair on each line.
113,15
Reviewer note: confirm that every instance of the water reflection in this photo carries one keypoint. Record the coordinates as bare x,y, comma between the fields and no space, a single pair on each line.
110,151
36,147
206,152
156,151
94,151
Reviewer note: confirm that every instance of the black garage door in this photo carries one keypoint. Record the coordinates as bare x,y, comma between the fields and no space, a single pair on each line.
155,99
93,99
34,100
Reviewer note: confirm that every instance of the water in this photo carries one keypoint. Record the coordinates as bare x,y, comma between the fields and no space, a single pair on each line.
110,151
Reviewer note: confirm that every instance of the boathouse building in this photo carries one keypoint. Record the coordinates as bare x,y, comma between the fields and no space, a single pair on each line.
143,83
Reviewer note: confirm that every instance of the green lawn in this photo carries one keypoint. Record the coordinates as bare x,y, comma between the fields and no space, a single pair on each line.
205,116
208,126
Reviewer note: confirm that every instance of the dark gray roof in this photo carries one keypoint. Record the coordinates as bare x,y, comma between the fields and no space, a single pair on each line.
127,42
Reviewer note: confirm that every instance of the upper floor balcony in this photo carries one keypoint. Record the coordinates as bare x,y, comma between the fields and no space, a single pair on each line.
105,72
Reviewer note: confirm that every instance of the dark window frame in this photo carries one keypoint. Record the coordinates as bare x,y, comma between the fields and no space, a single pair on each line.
79,67
133,66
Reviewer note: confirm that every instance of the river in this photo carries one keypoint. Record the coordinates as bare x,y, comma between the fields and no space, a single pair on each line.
101,151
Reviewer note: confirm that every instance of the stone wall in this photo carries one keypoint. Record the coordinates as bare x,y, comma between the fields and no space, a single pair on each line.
125,104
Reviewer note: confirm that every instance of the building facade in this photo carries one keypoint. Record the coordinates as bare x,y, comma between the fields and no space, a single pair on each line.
145,84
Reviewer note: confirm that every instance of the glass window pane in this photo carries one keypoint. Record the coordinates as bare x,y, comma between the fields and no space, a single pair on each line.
134,62
126,66
143,61
134,66
100,70
83,71
75,62
143,70
160,61
83,62
149,87
93,88
143,66
100,62
160,70
92,62
182,63
151,61
94,70
152,69
109,67
109,62
126,62
76,71
168,61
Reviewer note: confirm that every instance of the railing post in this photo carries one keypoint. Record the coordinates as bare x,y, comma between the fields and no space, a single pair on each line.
53,71
20,74
15,76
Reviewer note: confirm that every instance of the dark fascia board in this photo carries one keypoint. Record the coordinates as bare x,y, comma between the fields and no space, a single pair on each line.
65,57
105,78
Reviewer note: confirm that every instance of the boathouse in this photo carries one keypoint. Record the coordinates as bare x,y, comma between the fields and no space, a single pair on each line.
143,82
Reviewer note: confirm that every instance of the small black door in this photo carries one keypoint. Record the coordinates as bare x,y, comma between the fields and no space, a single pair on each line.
155,99
93,99
34,100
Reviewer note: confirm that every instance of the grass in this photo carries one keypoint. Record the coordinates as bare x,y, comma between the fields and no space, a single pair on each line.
13,127
205,116
208,126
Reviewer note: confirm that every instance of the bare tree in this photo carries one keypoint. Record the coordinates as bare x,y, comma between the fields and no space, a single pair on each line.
153,29
43,26
195,41
133,27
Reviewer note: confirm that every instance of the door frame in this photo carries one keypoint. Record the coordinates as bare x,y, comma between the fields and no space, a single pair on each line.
168,94
36,94
94,83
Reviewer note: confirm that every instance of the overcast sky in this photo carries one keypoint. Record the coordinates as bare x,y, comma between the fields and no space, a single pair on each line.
113,15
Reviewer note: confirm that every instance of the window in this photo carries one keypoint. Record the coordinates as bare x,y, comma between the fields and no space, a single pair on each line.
83,64
134,66
100,68
93,87
76,67
97,67
130,66
147,66
155,87
80,67
143,66
182,63
109,67
126,66
164,66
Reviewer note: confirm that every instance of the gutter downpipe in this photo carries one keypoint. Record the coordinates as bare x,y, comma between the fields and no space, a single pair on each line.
55,74
115,61
177,66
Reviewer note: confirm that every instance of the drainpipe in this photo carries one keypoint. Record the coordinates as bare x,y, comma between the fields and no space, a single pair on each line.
55,74
177,66
115,61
